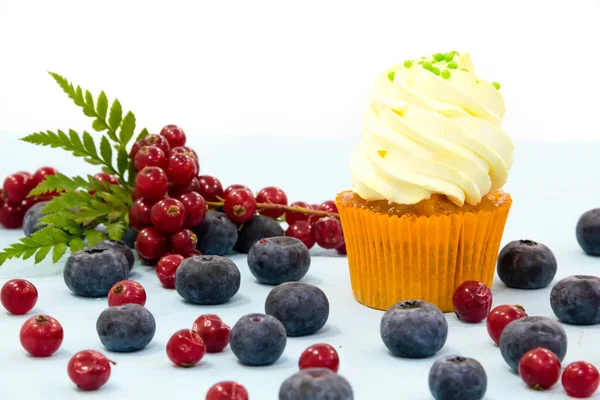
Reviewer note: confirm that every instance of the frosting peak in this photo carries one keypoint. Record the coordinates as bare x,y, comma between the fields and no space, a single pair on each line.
433,126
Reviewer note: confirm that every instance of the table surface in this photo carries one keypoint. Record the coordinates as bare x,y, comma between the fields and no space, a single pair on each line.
552,185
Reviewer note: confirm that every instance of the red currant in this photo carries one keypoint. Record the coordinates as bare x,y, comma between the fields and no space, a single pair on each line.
210,188
580,379
213,332
501,316
150,156
472,301
239,205
320,356
151,244
152,183
186,151
342,249
195,209
227,390
272,195
11,215
178,190
18,296
104,177
302,231
139,214
328,233
126,292
166,268
40,175
174,135
151,140
41,335
29,202
89,369
17,187
185,348
183,241
168,215
292,217
182,169
327,206
539,368
233,187
193,253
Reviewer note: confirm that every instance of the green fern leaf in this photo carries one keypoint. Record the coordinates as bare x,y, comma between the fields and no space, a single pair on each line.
76,245
116,114
127,128
106,151
102,105
99,125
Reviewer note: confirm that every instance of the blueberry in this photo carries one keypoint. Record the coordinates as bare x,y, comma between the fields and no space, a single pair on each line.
257,228
119,246
216,234
31,221
316,384
303,309
278,259
126,328
588,232
576,300
525,264
207,279
129,237
524,334
414,329
92,272
258,339
457,378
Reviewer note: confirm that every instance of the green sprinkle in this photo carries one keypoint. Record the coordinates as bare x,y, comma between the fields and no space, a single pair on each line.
436,70
408,63
449,56
391,76
438,57
496,85
464,69
421,62
427,65
446,74
452,65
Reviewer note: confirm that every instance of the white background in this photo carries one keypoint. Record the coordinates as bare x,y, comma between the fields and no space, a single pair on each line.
291,68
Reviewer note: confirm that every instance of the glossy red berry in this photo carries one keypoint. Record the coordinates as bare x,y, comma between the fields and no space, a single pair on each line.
292,217
139,214
185,348
328,233
151,140
17,187
29,202
227,390
168,215
327,206
210,188
233,187
239,205
472,301
18,296
166,268
182,169
183,241
151,244
195,208
152,183
320,355
302,231
174,135
150,156
272,195
104,177
41,336
89,369
40,175
342,249
501,316
11,214
193,253
539,368
127,292
580,379
213,332
178,190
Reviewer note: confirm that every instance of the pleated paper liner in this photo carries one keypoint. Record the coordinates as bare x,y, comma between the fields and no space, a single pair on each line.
394,258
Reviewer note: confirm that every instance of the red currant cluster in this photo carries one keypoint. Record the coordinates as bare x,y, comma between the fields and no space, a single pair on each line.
166,199
14,202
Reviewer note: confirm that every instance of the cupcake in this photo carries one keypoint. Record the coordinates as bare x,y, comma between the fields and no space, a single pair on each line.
426,211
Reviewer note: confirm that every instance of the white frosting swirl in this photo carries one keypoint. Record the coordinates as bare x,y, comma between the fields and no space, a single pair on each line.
426,134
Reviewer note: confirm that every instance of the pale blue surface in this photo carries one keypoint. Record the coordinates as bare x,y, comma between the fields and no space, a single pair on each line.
551,183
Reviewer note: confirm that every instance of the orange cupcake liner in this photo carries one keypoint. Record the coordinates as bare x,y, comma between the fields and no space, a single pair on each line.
394,258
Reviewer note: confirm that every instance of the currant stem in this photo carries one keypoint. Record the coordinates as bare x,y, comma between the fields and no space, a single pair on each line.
267,206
